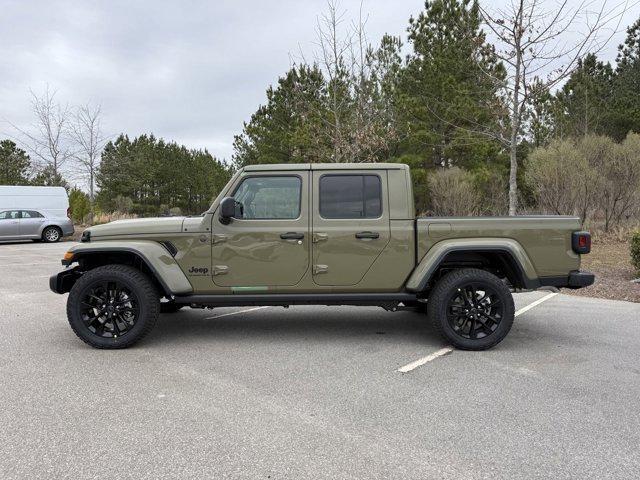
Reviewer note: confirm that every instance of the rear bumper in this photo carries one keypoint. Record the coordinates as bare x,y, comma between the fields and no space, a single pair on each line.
62,282
575,279
67,229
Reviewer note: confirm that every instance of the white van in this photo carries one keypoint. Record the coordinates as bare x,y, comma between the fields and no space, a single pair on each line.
52,201
37,213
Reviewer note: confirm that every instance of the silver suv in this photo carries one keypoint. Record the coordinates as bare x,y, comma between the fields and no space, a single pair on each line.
33,224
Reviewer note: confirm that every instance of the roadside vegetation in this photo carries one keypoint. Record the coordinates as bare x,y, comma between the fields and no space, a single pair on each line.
495,111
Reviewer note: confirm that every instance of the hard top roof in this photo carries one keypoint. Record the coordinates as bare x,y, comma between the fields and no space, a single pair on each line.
324,166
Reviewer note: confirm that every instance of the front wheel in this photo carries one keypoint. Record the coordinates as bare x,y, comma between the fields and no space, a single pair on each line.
113,306
472,309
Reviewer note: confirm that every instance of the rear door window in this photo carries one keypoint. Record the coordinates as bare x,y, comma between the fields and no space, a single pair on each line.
31,214
350,196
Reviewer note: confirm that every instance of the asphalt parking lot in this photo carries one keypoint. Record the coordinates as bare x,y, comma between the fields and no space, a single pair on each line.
314,392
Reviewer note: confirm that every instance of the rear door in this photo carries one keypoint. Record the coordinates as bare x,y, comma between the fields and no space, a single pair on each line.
9,224
269,245
30,223
350,224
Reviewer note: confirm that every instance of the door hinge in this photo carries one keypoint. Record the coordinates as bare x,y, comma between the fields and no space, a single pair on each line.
220,270
320,269
319,237
218,238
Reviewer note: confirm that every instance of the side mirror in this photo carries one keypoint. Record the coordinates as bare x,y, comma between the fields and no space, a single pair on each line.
229,209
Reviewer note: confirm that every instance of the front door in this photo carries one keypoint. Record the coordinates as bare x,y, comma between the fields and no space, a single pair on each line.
9,224
269,245
350,224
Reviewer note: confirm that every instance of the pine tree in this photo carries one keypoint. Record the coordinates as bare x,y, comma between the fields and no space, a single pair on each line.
583,105
14,164
626,101
450,89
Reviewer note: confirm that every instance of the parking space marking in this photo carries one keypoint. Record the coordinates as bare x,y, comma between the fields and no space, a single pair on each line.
423,360
28,264
236,313
535,304
444,351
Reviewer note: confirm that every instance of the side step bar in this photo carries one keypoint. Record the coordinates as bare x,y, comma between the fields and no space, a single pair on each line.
284,299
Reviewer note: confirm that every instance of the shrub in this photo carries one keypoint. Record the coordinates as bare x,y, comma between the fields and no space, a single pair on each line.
635,250
453,192
79,205
102,217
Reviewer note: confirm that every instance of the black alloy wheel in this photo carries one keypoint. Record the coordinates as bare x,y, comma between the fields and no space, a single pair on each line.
475,311
471,308
113,306
109,308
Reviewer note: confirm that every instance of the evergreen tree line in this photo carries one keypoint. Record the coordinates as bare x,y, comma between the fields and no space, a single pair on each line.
436,107
148,176
142,176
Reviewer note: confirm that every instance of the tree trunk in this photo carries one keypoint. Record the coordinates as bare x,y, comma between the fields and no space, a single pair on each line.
513,153
91,197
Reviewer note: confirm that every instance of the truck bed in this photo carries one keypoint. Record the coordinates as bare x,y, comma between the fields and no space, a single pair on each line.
545,239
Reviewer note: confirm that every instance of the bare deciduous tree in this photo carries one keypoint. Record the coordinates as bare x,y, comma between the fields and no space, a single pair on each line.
540,42
356,111
47,141
86,133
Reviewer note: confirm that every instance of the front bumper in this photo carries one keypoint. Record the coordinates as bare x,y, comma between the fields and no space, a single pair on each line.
63,281
576,279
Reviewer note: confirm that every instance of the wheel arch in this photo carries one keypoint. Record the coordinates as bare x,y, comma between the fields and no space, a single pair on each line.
149,257
503,257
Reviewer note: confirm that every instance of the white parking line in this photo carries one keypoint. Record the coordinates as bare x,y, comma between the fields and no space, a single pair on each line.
28,264
443,351
535,304
421,361
235,313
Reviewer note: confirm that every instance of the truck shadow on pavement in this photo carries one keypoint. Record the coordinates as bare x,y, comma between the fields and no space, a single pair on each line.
277,324
326,324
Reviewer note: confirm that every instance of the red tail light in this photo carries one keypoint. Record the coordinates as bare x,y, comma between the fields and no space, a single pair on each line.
69,212
581,242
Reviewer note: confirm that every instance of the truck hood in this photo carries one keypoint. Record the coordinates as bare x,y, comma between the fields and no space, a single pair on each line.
138,226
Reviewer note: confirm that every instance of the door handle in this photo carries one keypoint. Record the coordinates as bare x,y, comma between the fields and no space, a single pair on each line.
371,235
292,236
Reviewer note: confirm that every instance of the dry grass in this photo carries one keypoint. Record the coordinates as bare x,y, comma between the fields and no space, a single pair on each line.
112,217
610,261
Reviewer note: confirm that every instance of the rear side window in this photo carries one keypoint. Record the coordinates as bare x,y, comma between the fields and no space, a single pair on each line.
270,197
31,214
350,196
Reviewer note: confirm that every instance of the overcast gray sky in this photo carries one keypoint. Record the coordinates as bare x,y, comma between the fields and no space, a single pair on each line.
186,71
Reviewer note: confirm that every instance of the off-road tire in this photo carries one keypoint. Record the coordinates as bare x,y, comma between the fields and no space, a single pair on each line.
146,293
51,234
445,290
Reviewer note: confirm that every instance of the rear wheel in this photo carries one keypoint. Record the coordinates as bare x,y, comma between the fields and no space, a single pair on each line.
472,309
51,234
113,306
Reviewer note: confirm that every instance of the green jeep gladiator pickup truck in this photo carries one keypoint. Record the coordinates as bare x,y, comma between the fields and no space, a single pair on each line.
323,234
